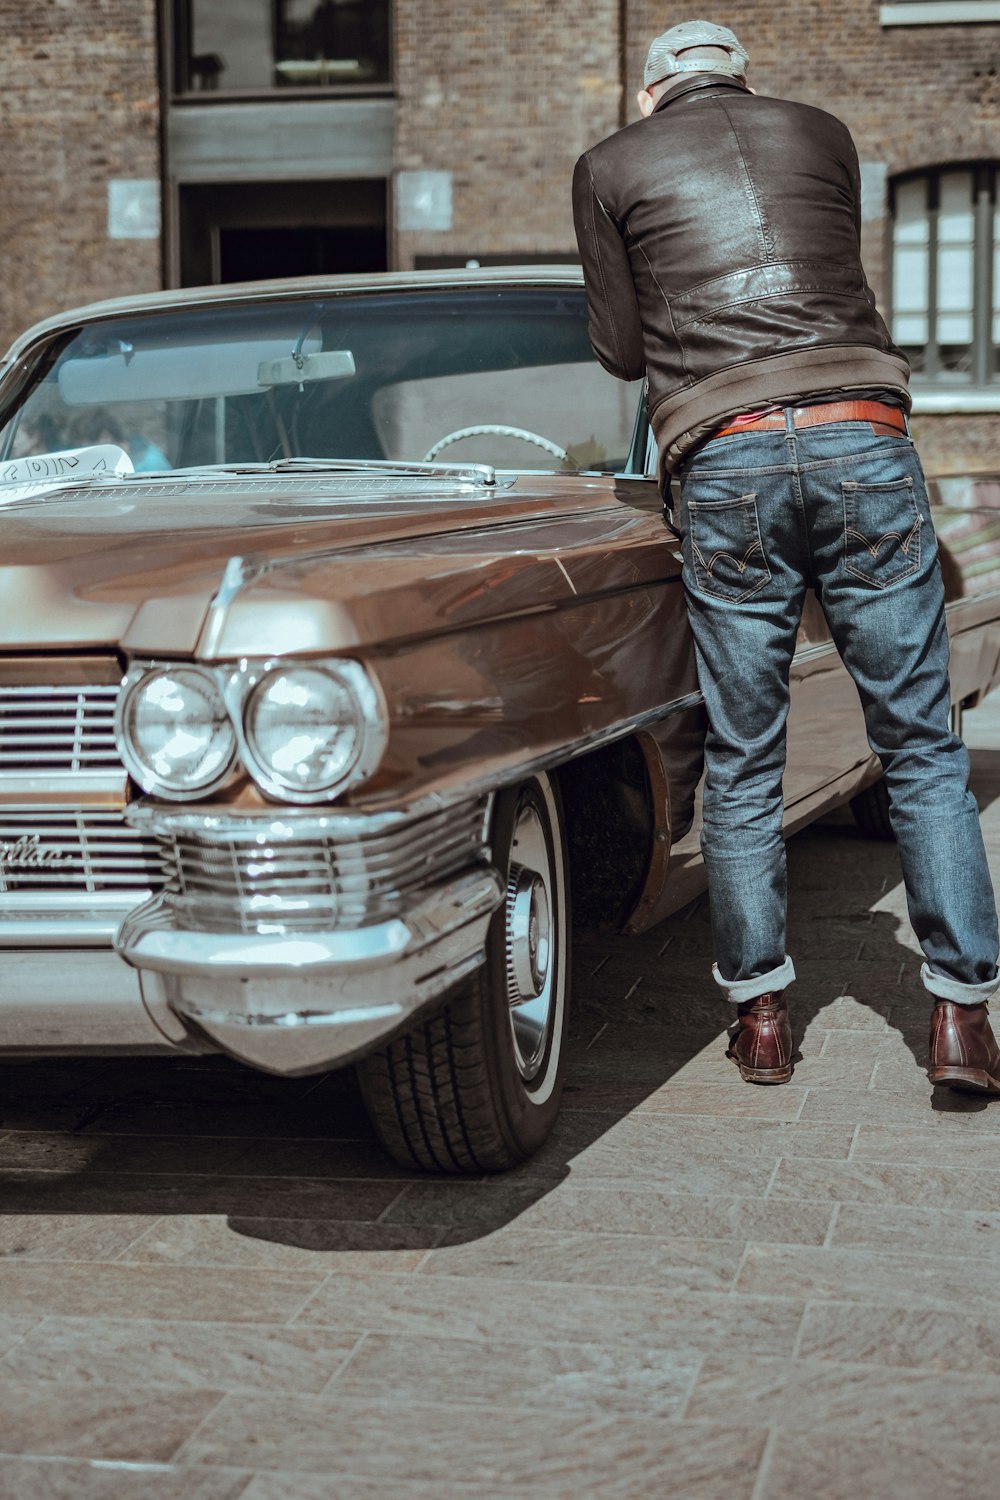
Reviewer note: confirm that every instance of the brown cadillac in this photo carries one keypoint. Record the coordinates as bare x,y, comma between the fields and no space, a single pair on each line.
343,645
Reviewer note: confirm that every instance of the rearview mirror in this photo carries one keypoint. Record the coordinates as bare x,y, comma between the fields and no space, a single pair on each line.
335,364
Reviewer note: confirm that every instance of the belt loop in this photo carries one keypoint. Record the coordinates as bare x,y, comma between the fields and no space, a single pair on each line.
789,414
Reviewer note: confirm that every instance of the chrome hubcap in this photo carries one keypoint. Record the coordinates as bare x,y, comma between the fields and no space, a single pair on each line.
529,940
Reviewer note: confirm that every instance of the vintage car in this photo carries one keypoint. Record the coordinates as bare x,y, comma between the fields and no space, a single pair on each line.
344,650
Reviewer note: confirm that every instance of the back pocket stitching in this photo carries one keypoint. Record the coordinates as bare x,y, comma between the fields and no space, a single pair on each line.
850,489
746,503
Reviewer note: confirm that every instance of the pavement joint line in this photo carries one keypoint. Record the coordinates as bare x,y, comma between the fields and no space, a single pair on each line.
831,1227
771,1180
744,1256
380,1218
122,1258
760,1484
342,1366
176,1456
699,1365
292,1321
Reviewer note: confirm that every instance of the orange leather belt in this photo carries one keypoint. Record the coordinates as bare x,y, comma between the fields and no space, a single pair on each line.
882,418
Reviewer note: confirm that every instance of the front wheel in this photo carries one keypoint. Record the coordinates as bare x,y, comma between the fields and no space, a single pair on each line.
476,1088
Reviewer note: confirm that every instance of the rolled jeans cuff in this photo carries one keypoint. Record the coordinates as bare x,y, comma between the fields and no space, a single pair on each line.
739,991
944,988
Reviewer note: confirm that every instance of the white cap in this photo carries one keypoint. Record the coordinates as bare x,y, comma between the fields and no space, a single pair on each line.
662,60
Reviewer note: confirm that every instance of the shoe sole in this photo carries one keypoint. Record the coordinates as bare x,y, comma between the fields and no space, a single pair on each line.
965,1080
762,1075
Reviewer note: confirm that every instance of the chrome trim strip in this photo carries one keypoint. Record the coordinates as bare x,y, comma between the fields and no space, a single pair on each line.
149,937
344,824
40,928
239,572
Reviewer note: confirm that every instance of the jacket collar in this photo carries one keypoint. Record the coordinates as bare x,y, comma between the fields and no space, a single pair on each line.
695,84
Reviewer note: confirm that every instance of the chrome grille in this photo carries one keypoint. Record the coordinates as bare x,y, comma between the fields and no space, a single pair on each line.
73,852
57,728
245,880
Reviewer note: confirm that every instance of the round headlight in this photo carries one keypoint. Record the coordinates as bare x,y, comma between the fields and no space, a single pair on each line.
175,735
307,728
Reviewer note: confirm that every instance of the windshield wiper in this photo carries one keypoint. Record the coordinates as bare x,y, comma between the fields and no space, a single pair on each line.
478,474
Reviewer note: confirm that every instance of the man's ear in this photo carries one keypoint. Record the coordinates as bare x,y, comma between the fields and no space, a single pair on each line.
646,102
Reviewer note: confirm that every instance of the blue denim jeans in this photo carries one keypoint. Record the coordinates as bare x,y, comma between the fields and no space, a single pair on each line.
840,509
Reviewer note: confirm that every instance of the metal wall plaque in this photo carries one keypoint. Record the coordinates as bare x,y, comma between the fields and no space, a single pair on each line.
423,200
134,209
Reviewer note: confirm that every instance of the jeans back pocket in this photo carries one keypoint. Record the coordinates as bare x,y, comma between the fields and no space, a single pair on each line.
881,531
727,554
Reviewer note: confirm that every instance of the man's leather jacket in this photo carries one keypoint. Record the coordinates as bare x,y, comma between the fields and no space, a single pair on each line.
720,240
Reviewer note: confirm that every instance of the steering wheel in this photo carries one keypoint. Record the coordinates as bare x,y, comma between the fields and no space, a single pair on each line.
496,430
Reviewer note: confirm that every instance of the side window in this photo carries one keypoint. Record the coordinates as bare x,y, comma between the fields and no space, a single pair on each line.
945,274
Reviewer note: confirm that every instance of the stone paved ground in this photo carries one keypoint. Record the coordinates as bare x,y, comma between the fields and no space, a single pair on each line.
213,1285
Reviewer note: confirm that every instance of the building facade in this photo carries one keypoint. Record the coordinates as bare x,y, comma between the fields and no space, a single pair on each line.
173,142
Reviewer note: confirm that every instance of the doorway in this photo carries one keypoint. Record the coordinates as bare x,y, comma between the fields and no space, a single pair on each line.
254,231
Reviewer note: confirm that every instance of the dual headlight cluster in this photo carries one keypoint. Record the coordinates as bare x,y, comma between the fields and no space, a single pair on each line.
304,731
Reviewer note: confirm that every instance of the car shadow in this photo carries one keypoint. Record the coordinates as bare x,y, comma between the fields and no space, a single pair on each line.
295,1163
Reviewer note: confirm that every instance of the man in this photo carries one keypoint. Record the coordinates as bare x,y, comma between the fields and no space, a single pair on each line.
720,239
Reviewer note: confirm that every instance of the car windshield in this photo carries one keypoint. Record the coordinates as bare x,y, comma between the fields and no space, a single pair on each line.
499,376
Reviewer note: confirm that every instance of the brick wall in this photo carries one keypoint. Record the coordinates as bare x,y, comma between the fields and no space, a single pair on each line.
79,106
504,95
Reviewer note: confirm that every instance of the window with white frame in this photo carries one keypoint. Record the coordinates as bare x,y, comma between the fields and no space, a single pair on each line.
944,285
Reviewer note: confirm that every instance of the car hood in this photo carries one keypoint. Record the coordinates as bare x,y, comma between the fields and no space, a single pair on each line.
261,565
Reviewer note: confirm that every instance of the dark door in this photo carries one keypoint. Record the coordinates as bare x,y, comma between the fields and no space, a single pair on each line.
252,231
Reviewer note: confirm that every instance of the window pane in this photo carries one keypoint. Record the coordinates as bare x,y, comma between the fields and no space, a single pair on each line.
265,44
331,41
955,360
909,280
911,227
954,328
956,223
230,44
908,328
955,272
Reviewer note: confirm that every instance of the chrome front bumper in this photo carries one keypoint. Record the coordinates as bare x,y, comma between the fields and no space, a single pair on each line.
300,1003
254,962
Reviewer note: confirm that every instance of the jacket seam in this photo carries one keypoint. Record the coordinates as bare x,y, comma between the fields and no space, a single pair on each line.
794,291
788,260
595,198
749,181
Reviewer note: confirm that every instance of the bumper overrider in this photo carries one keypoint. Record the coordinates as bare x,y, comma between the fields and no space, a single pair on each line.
296,941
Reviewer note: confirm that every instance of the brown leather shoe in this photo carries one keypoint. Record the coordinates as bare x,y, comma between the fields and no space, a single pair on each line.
964,1054
761,1045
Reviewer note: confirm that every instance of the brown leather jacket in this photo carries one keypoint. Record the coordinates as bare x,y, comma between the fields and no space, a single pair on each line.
720,241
